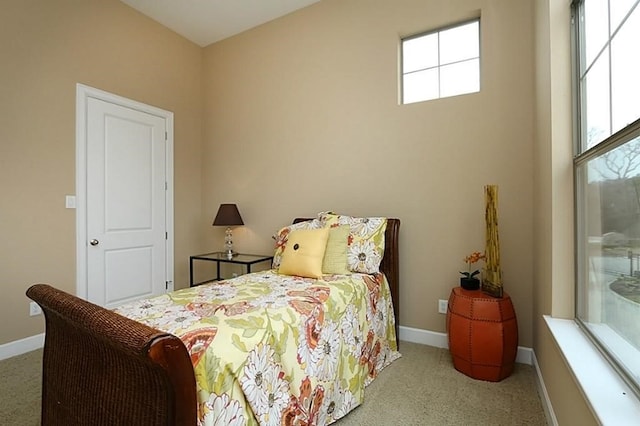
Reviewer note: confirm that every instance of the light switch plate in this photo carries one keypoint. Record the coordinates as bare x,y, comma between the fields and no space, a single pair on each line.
70,201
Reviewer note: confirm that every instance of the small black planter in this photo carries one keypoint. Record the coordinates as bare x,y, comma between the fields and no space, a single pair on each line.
470,283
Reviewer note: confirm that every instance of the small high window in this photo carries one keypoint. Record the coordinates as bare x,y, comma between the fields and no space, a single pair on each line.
441,63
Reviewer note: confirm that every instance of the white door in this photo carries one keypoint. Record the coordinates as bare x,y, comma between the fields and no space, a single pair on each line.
127,235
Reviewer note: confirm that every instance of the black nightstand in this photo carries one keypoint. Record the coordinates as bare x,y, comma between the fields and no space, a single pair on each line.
221,257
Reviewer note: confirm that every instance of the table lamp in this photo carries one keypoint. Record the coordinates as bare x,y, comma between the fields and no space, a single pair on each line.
228,215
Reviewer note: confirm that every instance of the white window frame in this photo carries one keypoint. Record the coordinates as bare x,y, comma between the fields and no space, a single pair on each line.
473,86
621,356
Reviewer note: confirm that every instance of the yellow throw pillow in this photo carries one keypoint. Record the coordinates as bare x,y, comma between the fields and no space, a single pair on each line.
335,255
303,254
282,237
366,240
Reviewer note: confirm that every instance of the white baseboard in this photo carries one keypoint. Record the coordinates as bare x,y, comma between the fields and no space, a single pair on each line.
441,340
544,396
19,347
424,337
408,334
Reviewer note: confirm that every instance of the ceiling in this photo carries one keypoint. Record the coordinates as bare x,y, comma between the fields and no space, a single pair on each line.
207,21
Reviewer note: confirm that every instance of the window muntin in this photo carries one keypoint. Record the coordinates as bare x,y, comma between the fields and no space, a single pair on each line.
625,84
620,9
460,43
596,29
442,63
607,55
420,53
607,178
598,111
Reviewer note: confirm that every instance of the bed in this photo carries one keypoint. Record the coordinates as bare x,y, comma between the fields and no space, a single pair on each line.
263,348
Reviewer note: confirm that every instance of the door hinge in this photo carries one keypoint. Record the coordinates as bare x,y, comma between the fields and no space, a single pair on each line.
166,186
166,136
166,235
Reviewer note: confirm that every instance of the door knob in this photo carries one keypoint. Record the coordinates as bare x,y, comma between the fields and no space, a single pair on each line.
94,242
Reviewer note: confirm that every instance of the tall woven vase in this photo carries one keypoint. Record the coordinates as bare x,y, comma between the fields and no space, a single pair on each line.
492,274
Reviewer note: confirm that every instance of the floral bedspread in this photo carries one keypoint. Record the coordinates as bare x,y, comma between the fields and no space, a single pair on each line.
272,349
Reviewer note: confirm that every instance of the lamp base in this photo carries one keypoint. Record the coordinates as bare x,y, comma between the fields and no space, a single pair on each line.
228,243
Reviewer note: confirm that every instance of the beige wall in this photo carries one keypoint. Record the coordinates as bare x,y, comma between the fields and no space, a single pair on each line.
553,197
46,47
303,113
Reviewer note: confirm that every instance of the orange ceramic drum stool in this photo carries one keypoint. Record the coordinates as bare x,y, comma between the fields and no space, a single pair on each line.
483,334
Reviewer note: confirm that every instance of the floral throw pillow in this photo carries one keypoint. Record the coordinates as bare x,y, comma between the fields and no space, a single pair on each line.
282,235
366,240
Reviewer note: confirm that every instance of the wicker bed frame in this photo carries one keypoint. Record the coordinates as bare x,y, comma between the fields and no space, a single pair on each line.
101,368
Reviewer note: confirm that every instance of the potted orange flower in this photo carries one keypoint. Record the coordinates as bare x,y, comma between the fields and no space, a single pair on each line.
469,280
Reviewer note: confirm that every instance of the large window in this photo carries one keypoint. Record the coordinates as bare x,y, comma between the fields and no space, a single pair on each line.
607,178
441,63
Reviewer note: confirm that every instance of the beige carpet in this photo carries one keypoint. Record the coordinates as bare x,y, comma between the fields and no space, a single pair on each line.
20,386
421,388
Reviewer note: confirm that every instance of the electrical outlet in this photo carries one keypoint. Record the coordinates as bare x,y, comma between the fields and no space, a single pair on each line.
442,306
34,309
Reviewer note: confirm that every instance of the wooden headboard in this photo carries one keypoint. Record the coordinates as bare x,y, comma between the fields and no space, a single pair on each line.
390,264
